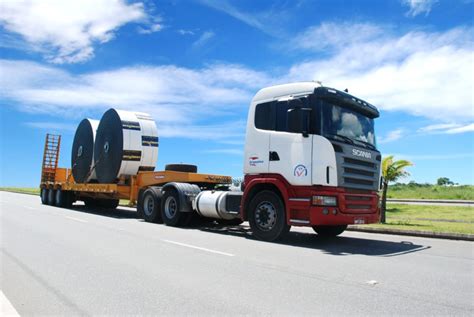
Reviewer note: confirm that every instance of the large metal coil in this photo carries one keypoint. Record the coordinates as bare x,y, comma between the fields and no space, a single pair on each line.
126,142
82,156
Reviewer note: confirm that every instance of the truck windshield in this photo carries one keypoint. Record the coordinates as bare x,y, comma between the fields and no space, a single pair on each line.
344,123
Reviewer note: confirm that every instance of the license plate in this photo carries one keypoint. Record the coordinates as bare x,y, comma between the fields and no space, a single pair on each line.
359,221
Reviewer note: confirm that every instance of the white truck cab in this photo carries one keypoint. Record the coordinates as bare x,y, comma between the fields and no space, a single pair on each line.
315,148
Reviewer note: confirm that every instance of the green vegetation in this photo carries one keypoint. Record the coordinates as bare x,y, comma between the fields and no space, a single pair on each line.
428,191
446,219
392,170
22,190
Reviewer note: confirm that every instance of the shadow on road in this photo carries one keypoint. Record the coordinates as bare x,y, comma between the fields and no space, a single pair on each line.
119,213
341,245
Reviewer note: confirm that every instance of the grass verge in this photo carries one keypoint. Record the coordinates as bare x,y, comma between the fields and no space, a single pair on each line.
22,190
465,192
445,219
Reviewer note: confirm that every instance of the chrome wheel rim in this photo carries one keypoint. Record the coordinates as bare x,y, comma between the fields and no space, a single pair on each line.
171,207
265,216
148,205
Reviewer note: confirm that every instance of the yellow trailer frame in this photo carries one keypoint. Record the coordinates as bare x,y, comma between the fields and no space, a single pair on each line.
126,188
64,181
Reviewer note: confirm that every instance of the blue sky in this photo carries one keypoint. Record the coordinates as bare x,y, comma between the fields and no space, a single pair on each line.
195,65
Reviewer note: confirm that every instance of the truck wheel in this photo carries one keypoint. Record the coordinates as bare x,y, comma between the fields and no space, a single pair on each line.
170,210
108,203
329,231
140,203
150,206
44,196
267,216
187,168
51,197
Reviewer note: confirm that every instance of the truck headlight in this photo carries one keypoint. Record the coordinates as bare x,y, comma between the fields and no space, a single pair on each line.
325,200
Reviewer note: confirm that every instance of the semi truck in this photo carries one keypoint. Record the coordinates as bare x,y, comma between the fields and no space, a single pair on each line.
310,159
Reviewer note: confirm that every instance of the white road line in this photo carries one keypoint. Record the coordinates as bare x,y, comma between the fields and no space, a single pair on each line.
75,219
6,308
198,248
28,207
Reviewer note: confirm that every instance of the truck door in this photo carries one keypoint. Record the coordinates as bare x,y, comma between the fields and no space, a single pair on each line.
290,151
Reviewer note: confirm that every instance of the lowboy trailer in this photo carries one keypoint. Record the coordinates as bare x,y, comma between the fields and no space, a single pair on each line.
310,159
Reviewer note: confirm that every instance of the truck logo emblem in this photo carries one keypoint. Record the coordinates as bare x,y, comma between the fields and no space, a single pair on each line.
253,161
360,153
300,170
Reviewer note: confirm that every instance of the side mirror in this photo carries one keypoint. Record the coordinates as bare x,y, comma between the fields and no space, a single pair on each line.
299,120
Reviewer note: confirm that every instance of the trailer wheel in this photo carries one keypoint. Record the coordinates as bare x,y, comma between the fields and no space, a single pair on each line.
329,231
51,197
44,196
170,210
267,216
151,205
187,168
63,198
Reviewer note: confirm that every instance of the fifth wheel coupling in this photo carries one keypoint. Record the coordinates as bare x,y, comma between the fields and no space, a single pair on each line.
126,142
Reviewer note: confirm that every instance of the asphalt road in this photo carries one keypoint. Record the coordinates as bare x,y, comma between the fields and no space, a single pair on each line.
66,262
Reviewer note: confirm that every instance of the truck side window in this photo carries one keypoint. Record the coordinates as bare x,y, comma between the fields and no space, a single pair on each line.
265,116
282,108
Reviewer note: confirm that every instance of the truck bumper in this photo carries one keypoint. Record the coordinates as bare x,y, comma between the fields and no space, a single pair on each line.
352,208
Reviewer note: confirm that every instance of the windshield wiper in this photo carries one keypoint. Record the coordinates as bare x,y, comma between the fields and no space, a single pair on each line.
367,144
343,137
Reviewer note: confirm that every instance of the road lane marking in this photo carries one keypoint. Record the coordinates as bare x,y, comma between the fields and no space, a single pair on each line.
75,219
198,248
7,308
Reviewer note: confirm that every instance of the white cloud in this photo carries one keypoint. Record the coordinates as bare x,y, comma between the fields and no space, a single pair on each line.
66,31
331,35
392,136
177,97
418,6
431,157
51,126
462,129
423,73
226,7
270,21
203,39
238,152
185,32
447,128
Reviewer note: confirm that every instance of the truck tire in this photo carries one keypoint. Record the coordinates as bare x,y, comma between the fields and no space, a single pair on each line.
51,197
108,203
61,198
140,203
44,196
329,231
170,210
187,168
151,205
267,216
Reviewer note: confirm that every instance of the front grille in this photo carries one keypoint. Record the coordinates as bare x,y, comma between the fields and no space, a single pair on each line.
357,173
359,207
